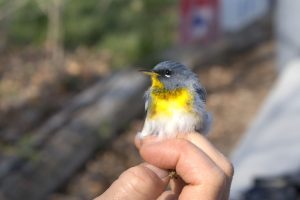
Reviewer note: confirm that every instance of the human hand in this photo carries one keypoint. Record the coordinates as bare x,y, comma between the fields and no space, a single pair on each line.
204,172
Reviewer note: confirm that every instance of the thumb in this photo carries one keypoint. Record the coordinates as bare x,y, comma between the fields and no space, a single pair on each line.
142,182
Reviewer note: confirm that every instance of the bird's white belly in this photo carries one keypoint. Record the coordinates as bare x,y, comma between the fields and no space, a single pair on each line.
169,126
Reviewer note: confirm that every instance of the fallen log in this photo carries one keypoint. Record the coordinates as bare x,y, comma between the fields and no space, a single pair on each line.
72,143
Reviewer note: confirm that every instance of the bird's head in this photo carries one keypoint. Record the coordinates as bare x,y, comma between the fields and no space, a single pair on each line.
170,75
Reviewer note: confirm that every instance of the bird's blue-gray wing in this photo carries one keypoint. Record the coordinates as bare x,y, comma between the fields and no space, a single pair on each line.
207,123
207,117
201,92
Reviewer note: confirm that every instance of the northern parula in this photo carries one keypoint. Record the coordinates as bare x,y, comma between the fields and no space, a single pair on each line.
175,102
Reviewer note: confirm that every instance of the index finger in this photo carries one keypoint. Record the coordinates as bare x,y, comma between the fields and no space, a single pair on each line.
193,165
189,161
202,143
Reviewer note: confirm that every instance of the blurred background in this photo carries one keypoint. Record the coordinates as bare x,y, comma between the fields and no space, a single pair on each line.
71,99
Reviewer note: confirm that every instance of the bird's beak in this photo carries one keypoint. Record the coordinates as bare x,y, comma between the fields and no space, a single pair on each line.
149,72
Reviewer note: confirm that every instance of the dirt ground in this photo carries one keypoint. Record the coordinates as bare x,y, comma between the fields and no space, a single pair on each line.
29,81
236,90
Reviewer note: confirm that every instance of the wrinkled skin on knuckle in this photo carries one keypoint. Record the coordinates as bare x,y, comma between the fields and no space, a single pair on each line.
139,180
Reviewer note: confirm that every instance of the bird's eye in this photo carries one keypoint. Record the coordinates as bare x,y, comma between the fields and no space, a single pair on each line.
168,73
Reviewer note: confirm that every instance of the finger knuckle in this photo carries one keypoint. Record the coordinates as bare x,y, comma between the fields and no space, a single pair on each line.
137,180
183,145
228,168
219,178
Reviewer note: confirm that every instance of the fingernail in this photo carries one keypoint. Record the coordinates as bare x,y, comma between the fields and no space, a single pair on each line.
161,173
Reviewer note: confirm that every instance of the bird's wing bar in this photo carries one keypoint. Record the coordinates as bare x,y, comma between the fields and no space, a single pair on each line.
201,93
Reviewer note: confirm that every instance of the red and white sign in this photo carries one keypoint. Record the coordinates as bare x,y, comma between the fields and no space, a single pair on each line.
199,21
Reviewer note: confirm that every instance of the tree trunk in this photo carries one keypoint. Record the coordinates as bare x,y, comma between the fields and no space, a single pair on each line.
54,42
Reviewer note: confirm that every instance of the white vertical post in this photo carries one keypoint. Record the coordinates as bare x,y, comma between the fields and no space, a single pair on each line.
287,32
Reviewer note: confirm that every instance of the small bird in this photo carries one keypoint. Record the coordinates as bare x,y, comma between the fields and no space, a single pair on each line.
175,102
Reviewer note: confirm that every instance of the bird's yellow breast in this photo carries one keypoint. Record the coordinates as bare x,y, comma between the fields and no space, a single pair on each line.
169,102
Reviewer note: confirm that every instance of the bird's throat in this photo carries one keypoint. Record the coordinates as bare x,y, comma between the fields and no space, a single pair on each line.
156,83
165,103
